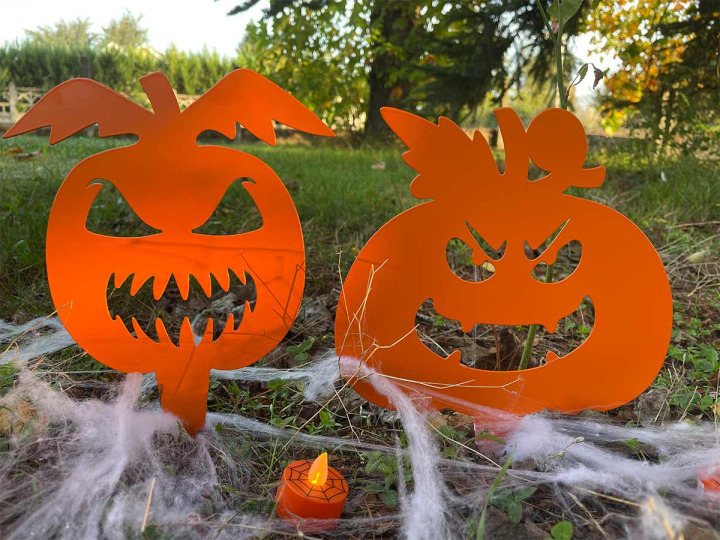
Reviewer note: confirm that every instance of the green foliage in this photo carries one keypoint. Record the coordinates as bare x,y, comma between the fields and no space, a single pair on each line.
117,57
692,386
36,63
300,352
701,363
563,10
125,33
348,58
511,500
194,73
668,83
496,483
8,373
320,53
74,34
388,466
562,530
120,70
461,58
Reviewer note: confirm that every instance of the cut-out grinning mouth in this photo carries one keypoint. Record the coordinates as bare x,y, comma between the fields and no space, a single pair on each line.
157,309
498,347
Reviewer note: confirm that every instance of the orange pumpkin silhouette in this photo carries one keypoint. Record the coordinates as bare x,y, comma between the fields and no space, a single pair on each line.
405,264
174,186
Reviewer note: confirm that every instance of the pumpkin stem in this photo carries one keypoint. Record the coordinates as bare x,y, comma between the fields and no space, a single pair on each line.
183,392
161,95
517,160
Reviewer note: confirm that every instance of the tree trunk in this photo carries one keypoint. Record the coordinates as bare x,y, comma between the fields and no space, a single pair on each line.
394,21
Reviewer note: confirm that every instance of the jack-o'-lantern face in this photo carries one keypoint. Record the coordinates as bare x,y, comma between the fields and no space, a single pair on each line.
173,186
503,218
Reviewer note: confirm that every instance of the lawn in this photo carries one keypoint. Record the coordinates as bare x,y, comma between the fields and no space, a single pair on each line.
343,195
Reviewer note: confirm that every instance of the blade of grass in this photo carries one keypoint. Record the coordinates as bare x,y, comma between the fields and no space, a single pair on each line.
498,479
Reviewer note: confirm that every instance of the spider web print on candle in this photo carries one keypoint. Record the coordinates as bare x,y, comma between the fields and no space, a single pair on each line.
405,264
305,495
174,185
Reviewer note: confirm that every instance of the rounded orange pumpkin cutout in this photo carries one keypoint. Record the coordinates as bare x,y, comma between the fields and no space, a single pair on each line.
404,264
174,185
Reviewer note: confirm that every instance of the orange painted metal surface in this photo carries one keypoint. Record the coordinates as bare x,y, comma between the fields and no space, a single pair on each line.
404,264
174,185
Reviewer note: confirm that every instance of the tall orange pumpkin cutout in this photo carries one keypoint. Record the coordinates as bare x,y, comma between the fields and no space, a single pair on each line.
405,264
174,186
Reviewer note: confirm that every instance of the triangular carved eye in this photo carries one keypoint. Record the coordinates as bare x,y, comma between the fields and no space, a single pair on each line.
111,215
567,261
492,253
236,213
460,257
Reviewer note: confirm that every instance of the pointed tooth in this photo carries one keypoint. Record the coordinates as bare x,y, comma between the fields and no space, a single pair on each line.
551,327
206,283
223,279
119,322
240,276
137,283
467,327
209,330
161,332
187,337
120,278
159,285
455,357
230,323
242,315
138,331
551,357
183,283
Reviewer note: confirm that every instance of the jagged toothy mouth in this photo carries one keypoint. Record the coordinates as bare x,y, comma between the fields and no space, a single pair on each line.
158,309
464,345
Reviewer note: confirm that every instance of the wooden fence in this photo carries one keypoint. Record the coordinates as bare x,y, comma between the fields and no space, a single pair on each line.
17,100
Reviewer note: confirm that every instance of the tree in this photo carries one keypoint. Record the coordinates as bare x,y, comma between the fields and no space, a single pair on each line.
125,33
429,56
318,50
73,34
394,30
668,83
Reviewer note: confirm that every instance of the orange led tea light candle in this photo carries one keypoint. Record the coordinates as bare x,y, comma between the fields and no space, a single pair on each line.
311,490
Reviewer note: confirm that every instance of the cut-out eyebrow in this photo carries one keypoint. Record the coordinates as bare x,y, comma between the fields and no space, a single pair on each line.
499,252
549,240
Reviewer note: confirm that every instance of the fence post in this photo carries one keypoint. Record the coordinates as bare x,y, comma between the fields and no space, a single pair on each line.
12,98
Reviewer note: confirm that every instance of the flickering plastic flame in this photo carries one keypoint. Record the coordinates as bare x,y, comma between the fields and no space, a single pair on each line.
318,472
